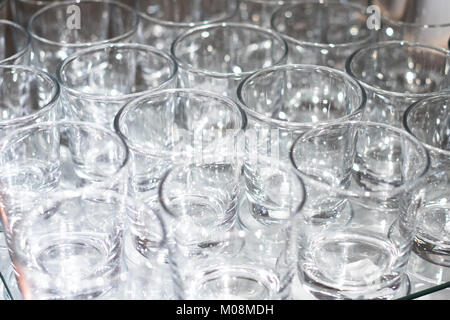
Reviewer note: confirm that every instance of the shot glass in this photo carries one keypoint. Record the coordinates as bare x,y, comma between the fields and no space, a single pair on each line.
281,103
161,21
217,57
428,120
396,74
35,158
98,81
27,96
234,267
14,43
60,29
415,21
327,34
281,196
67,244
199,200
176,126
381,170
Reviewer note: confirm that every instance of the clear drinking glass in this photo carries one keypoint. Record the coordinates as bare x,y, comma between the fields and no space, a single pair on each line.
27,96
176,126
50,156
22,10
274,196
235,266
327,34
281,103
364,188
66,244
56,32
216,57
427,22
14,43
396,74
162,20
199,200
98,81
429,121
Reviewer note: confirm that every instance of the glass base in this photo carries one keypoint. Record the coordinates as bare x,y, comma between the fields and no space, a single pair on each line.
426,271
394,290
433,253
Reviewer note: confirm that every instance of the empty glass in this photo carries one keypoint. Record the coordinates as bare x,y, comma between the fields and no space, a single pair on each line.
216,57
50,156
14,43
162,21
281,103
199,200
429,121
98,81
57,31
323,33
66,244
426,22
234,266
176,126
364,187
396,74
27,96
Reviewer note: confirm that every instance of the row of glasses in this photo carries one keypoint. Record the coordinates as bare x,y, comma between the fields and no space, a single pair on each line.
340,27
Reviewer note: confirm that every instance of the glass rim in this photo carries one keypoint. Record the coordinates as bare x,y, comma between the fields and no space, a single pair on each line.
135,104
35,2
417,104
298,125
9,139
89,191
51,104
168,23
386,44
413,24
53,5
173,169
369,195
22,51
234,25
290,39
133,46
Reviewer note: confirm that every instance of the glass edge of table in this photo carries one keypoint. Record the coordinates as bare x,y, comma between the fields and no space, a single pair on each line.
425,291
